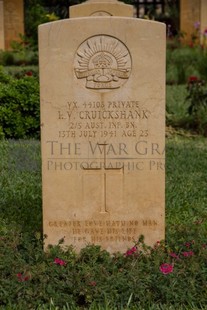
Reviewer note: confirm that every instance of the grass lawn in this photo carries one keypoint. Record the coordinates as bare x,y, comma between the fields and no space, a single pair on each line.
186,187
95,280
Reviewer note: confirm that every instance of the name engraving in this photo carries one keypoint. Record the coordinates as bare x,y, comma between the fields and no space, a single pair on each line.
103,119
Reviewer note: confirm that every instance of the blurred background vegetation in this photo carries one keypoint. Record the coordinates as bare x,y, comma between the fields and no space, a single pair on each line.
186,70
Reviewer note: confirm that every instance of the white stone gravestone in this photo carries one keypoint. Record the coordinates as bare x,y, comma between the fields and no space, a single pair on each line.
103,131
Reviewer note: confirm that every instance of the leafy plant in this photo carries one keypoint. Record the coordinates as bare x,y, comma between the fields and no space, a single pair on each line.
21,71
202,64
36,14
182,62
197,98
21,53
19,106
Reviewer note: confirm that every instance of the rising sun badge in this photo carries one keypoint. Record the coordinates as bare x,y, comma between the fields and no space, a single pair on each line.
103,62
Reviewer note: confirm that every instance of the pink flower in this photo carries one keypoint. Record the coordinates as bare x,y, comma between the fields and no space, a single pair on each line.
174,255
187,244
205,32
166,268
197,25
22,278
157,245
187,254
92,283
59,261
131,251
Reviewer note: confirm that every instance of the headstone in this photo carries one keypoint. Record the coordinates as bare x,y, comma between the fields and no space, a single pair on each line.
190,13
101,8
203,20
1,25
13,21
102,84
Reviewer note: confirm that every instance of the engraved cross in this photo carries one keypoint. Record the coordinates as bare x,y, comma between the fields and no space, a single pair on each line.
104,172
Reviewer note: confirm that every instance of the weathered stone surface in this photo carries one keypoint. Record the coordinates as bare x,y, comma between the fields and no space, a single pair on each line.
1,25
190,13
13,21
103,131
203,9
101,8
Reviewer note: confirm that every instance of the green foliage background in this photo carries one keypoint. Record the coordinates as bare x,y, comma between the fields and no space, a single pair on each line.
19,107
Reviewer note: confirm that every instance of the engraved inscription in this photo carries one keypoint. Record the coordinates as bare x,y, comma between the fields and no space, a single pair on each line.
103,62
98,230
103,119
101,13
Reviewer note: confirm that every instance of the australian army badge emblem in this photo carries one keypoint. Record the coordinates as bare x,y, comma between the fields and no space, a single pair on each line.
103,62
